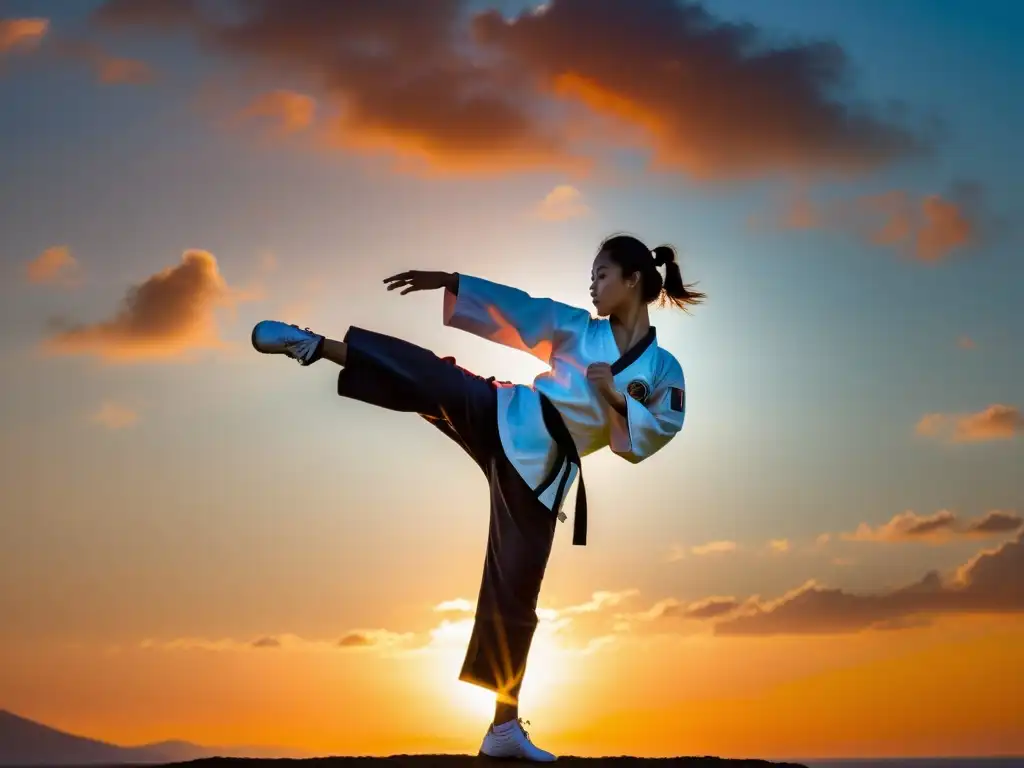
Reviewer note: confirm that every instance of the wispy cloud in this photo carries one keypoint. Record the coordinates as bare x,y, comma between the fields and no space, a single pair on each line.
113,415
937,528
927,227
458,605
286,111
990,582
996,422
20,35
354,639
54,266
714,548
108,68
561,203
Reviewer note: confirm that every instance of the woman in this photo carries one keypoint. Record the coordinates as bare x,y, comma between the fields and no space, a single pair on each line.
609,383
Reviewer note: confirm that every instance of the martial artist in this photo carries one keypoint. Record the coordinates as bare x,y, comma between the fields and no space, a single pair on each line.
609,383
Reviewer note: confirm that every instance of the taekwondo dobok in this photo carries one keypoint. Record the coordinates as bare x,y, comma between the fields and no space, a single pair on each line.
569,339
528,439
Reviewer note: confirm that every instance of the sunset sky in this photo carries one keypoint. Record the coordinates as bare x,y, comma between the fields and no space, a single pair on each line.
200,542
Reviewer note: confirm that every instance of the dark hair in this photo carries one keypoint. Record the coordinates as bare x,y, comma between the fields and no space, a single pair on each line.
633,256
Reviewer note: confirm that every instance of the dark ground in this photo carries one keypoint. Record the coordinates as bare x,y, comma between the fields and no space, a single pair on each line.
470,761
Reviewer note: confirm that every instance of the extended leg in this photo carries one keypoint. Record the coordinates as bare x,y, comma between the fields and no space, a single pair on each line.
335,351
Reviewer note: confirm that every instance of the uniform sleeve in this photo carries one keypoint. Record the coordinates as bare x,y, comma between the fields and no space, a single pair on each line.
648,427
512,317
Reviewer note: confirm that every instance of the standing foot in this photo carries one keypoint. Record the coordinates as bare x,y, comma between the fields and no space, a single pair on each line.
511,741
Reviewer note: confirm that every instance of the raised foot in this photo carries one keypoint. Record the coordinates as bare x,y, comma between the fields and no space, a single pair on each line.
272,337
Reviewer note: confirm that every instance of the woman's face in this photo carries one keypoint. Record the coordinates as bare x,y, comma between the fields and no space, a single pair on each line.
609,289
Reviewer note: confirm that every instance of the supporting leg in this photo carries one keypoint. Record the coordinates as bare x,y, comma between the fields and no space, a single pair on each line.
519,542
504,712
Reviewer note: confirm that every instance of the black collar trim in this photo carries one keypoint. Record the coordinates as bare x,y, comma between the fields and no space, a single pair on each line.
634,352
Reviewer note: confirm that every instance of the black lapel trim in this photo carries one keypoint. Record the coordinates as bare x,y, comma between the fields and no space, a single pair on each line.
634,352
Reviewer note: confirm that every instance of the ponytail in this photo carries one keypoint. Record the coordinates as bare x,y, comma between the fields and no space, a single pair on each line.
674,290
633,257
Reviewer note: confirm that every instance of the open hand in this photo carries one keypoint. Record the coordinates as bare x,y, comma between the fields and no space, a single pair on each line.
419,280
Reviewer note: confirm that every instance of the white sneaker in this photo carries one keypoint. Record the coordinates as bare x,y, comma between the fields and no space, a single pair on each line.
275,338
510,741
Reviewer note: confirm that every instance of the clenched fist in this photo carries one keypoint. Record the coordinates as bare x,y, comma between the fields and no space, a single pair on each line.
600,377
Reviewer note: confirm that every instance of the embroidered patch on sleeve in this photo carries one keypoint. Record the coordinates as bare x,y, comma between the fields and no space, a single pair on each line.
677,399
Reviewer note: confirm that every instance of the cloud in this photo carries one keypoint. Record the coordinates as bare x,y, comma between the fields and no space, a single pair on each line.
561,203
22,34
290,111
114,416
991,582
599,601
54,266
449,633
996,422
676,553
966,342
547,89
366,638
28,34
926,228
995,522
393,70
772,107
779,545
373,638
662,609
711,607
587,617
671,608
937,528
167,316
458,605
714,547
109,69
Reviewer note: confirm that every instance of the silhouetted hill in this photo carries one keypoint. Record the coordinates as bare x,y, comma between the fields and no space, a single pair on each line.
24,742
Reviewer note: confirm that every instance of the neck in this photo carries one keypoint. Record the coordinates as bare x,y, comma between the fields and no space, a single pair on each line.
634,322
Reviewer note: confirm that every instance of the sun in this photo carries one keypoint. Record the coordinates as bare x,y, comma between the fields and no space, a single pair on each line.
548,670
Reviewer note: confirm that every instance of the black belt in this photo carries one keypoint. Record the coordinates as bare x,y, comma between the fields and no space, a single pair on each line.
568,453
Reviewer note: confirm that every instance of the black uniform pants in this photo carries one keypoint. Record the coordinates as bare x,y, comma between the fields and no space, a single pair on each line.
391,373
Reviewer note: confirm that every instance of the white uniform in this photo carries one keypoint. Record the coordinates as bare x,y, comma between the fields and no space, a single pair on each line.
569,339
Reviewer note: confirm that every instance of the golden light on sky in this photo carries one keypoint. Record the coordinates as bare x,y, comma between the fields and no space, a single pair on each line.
198,542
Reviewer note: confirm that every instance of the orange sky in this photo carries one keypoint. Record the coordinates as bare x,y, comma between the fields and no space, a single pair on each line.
201,543
927,691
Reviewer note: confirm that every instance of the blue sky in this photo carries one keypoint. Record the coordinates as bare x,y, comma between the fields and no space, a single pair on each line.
807,370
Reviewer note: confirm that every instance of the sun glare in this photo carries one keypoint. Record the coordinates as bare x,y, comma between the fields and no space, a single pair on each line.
547,671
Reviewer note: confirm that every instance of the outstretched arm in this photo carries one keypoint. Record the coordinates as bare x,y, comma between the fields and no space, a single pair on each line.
499,313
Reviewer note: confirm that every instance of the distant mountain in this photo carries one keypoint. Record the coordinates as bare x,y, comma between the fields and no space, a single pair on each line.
24,742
